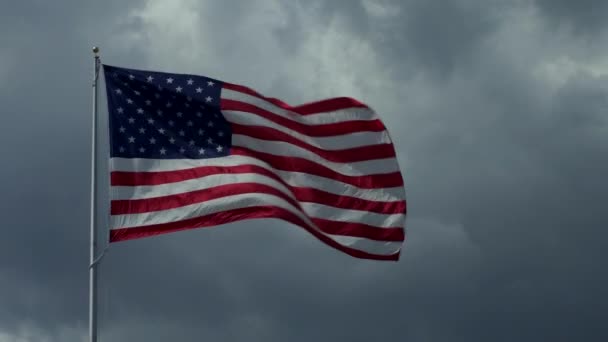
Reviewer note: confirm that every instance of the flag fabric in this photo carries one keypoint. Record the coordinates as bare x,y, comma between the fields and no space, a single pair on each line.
188,151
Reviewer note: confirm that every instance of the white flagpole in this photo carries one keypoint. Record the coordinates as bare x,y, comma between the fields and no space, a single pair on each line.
93,237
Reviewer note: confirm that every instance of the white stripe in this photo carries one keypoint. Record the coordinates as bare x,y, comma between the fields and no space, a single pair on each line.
298,179
160,165
342,115
312,209
211,181
295,179
338,188
377,166
338,142
202,209
322,211
283,149
236,202
369,246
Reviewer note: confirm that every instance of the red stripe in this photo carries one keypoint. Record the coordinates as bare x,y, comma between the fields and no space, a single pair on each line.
349,155
254,93
125,178
322,130
302,194
327,105
347,202
296,164
361,230
139,206
144,205
234,215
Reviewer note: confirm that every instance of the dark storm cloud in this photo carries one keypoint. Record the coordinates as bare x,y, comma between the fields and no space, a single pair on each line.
438,36
518,165
505,177
582,16
46,106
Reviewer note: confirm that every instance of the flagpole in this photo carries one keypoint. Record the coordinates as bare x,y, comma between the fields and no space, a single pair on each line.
93,226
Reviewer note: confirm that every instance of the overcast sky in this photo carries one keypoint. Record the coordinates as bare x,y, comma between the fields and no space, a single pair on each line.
499,113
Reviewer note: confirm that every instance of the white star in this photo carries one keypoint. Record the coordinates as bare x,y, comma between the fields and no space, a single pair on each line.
210,124
162,150
131,77
120,110
201,132
150,121
187,105
199,90
208,99
182,150
142,149
131,120
169,80
131,139
179,114
210,83
220,148
121,149
201,151
118,91
178,89
182,133
136,92
199,114
148,102
190,81
157,95
190,123
152,141
220,134
172,140
161,130
129,101
142,130
210,141
150,78
159,112
191,142
122,129
171,122
168,104
140,111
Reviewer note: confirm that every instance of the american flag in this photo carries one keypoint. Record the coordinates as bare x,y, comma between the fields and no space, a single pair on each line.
188,151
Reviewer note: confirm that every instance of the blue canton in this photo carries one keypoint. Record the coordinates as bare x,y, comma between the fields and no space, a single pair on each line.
165,116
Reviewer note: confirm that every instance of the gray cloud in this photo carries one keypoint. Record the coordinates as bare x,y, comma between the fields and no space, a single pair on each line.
583,17
504,158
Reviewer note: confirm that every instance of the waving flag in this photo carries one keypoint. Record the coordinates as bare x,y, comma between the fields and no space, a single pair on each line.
188,151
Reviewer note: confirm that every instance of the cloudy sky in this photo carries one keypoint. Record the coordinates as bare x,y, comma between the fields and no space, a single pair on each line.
499,113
